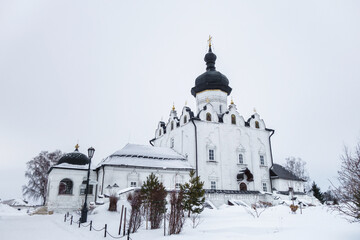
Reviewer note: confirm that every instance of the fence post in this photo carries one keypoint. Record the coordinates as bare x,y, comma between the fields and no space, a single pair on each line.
90,225
165,223
71,219
122,209
79,223
105,230
65,218
124,222
128,238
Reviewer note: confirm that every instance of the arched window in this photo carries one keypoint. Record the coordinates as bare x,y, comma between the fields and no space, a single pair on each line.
172,125
65,186
185,119
243,187
257,124
208,117
233,119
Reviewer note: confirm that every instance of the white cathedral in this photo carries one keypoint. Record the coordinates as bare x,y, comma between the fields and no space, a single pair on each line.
231,155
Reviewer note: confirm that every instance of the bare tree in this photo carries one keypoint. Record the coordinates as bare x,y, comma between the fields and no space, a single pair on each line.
37,174
113,199
135,217
176,216
297,167
348,192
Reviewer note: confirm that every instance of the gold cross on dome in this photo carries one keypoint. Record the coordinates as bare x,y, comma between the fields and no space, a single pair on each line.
207,100
209,41
77,146
254,110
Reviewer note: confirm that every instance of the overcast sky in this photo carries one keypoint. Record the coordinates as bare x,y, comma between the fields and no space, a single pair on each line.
105,72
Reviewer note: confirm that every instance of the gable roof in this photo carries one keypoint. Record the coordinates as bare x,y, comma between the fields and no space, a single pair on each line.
134,155
278,171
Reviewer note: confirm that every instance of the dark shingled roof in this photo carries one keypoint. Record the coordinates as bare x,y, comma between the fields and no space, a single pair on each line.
75,158
278,171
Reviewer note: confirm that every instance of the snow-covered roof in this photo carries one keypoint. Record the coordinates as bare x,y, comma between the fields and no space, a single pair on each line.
15,202
134,155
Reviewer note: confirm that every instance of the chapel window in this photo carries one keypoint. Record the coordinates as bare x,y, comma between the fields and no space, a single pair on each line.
90,190
65,186
241,159
172,125
185,119
211,155
177,185
243,187
264,187
257,124
262,160
213,185
172,143
159,132
208,117
132,184
233,119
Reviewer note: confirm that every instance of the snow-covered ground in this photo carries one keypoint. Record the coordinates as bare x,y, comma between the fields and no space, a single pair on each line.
228,222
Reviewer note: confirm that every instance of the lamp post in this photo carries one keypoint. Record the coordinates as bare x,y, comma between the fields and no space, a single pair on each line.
84,210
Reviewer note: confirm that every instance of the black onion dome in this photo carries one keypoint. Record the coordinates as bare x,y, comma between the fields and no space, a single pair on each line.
211,79
75,158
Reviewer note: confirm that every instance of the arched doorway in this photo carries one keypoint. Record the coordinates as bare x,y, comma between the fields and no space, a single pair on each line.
243,187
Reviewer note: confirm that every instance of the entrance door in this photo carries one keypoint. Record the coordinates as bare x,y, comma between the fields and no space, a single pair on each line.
243,187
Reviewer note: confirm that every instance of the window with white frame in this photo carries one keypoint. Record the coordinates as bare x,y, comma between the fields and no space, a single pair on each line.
83,190
172,142
177,185
262,160
241,158
132,184
211,155
264,187
213,185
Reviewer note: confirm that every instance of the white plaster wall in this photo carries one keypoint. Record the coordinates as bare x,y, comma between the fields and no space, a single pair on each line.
63,202
283,185
227,140
216,97
123,176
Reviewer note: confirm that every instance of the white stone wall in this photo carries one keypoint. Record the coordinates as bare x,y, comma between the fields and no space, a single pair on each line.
217,98
284,185
124,176
227,140
65,202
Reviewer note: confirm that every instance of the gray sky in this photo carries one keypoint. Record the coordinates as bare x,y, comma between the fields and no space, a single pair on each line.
105,73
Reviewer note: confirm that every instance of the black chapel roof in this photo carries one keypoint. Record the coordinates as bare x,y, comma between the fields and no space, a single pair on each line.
75,158
211,79
278,171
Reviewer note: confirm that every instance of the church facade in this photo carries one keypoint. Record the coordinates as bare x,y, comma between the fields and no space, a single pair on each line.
233,156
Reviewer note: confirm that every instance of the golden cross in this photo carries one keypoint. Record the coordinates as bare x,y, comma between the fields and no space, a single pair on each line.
255,110
77,146
209,41
207,100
